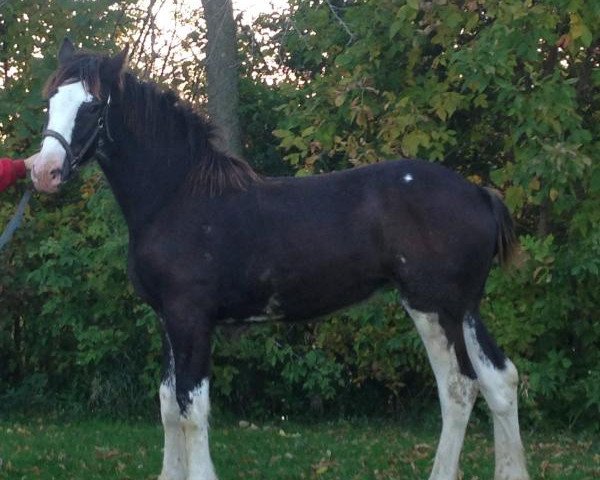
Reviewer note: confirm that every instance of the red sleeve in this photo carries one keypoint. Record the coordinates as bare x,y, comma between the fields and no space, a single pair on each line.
20,169
10,172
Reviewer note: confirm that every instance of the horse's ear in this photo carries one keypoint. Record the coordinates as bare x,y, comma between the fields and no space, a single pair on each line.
66,51
115,66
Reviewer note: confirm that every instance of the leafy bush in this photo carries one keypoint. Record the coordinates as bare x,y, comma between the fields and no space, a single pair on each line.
69,316
505,92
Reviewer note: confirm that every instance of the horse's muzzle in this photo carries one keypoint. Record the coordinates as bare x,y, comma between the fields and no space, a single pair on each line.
46,172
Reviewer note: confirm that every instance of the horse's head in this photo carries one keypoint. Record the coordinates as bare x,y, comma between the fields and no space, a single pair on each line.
79,95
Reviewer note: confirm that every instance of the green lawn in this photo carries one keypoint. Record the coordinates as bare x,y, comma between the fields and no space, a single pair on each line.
96,449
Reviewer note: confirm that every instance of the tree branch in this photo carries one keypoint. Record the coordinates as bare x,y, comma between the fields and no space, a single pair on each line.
341,22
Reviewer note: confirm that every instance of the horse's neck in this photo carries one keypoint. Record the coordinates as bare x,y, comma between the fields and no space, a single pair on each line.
141,181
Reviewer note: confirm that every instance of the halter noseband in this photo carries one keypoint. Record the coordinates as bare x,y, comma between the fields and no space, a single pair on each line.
72,161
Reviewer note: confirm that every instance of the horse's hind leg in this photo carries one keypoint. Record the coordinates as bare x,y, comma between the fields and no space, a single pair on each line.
457,392
498,381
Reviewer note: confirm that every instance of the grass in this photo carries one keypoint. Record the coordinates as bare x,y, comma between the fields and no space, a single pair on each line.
42,448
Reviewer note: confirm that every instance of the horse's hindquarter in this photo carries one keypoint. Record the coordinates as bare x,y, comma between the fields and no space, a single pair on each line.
317,244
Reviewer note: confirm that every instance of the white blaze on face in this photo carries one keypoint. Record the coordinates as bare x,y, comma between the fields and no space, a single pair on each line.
64,105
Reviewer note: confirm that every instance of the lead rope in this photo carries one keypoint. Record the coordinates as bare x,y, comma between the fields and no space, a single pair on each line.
15,221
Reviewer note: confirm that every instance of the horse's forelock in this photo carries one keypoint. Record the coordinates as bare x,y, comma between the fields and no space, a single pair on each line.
83,67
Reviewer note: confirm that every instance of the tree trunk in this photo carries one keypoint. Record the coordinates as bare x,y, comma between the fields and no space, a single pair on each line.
222,73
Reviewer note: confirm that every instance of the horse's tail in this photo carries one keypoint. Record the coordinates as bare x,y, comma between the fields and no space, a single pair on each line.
506,242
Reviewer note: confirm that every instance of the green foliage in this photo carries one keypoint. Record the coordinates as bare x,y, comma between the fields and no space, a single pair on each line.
59,331
67,314
506,92
369,350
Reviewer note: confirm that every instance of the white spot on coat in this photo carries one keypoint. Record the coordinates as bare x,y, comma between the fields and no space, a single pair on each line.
408,178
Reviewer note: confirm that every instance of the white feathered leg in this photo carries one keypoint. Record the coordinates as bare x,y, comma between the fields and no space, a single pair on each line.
499,388
456,391
195,426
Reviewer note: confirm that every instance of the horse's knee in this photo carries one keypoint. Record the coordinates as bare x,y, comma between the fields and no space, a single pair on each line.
195,414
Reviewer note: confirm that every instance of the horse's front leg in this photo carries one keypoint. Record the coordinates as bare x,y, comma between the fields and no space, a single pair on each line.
189,338
174,465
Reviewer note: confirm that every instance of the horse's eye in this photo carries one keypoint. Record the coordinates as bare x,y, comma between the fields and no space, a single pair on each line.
94,107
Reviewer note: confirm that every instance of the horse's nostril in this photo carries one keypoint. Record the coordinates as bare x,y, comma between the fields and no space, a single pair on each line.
55,173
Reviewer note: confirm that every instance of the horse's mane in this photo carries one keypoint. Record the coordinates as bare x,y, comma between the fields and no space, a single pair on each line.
160,119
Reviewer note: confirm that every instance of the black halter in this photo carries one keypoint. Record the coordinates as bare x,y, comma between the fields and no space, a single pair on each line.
72,161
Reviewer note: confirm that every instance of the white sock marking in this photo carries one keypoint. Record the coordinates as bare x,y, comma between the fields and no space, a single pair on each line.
499,387
195,426
175,453
457,394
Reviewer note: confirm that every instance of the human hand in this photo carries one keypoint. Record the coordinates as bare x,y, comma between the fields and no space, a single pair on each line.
29,161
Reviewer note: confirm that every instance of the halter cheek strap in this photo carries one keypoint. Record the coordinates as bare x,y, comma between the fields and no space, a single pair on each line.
70,158
72,161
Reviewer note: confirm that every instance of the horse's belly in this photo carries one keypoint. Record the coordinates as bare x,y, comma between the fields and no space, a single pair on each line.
309,294
289,294
317,302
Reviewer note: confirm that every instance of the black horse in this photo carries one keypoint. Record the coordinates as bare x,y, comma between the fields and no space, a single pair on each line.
213,242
